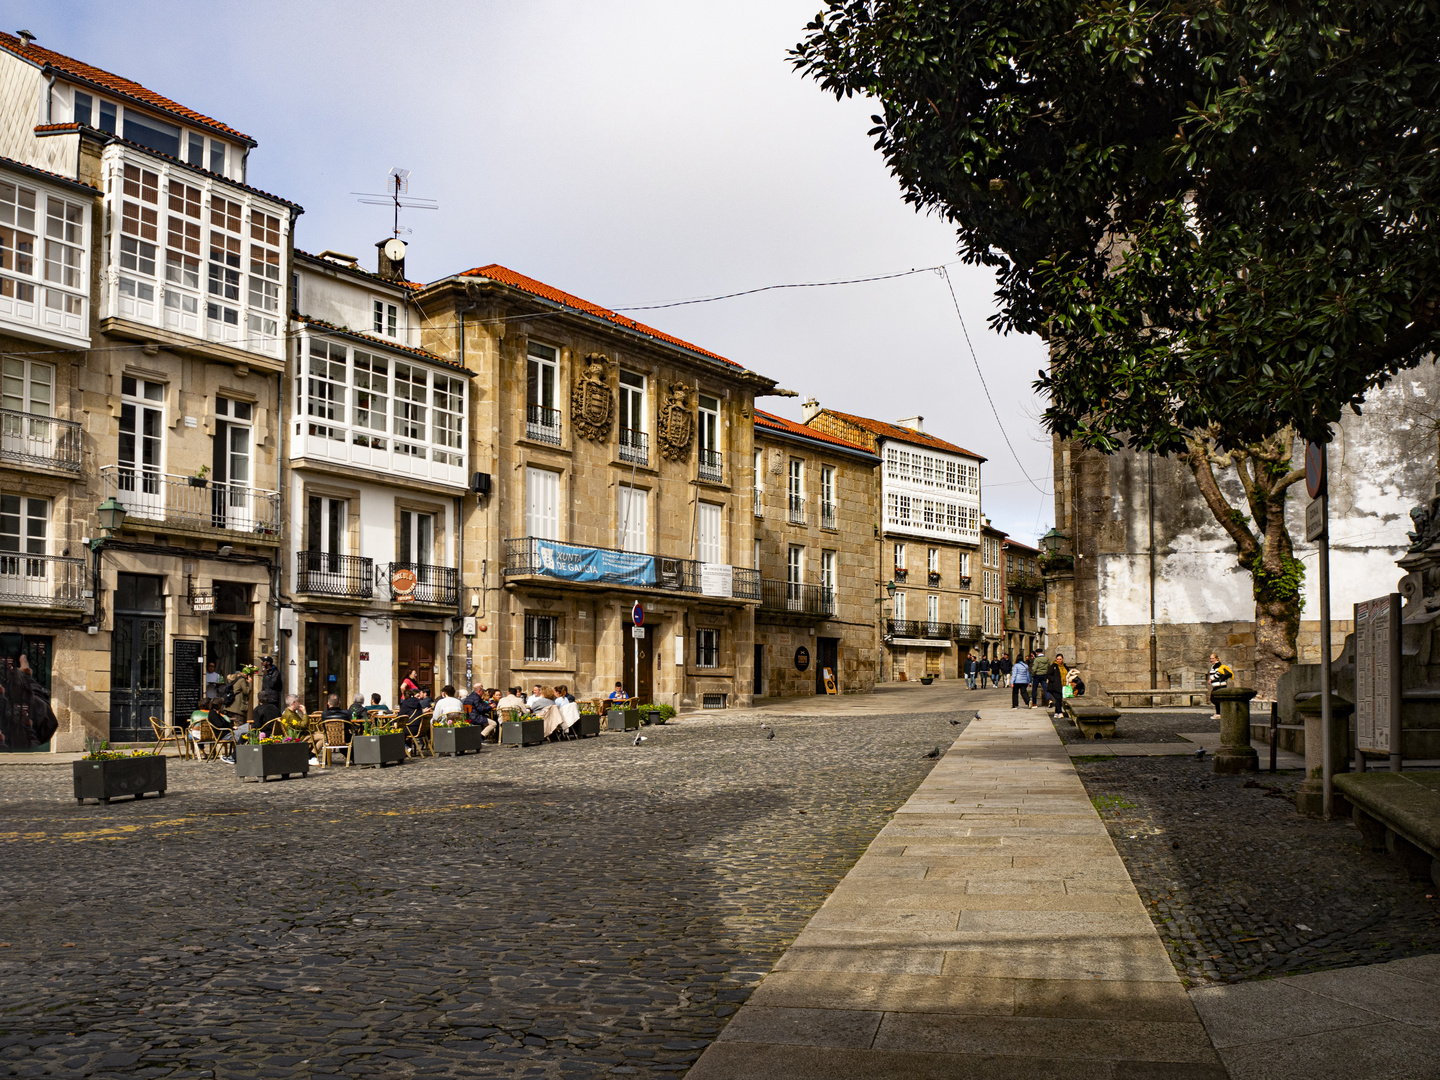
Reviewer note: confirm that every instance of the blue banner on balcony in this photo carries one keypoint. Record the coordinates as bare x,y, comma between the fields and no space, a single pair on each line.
593,564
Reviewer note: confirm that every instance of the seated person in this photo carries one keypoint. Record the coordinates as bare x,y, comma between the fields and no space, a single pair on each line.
513,700
542,700
376,705
477,702
423,702
409,704
618,694
562,695
358,710
447,704
333,711
1077,684
536,693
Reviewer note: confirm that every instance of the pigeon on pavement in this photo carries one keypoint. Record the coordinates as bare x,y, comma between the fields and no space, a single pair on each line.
934,753
639,739
1200,754
769,731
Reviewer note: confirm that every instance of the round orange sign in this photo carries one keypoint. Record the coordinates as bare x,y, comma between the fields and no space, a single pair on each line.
402,583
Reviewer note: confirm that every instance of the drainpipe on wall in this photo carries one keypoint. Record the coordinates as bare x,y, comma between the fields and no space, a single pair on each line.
49,100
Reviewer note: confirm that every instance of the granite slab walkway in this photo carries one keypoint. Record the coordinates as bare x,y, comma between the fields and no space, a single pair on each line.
989,931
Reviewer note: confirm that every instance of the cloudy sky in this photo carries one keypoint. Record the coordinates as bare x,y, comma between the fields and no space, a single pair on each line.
629,152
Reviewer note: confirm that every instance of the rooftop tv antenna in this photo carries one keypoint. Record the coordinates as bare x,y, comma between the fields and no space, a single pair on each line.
397,191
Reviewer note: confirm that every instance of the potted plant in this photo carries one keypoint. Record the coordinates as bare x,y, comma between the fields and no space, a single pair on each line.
199,479
105,774
381,745
272,755
926,680
456,737
657,714
521,729
622,720
587,725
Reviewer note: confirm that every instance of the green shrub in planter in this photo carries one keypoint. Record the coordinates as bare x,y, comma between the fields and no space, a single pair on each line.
106,774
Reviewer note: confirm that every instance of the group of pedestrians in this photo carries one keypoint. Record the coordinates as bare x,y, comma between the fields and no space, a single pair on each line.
985,673
1047,679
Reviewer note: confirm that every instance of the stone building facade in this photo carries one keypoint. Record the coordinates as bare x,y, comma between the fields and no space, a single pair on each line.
1138,533
1024,597
166,288
815,499
928,518
616,471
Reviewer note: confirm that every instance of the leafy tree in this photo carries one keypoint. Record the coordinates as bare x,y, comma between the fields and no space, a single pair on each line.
1220,215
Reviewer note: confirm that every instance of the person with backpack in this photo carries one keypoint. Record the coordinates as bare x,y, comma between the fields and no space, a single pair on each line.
1220,676
1040,670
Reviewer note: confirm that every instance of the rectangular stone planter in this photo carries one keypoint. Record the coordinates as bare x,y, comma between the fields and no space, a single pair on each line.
588,725
106,780
276,759
522,732
622,720
378,750
454,741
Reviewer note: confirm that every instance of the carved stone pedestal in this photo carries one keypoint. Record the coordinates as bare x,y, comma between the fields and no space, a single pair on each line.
1235,755
1310,799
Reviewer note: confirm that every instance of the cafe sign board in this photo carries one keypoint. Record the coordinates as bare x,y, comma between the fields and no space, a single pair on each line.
1377,675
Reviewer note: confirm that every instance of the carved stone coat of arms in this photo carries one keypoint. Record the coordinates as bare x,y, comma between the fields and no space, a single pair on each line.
591,402
676,424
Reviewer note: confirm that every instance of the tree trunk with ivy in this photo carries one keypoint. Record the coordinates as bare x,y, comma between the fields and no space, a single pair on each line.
1262,540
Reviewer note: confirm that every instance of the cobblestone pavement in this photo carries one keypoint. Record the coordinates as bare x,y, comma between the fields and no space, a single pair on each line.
568,910
1143,725
1240,886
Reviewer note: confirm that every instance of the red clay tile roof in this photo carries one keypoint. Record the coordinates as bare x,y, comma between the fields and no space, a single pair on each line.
903,434
515,280
1026,548
121,87
778,423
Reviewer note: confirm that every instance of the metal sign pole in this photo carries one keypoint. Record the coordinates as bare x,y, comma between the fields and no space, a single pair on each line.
1316,473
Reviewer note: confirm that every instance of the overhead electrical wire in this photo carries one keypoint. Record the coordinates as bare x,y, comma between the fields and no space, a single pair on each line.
770,288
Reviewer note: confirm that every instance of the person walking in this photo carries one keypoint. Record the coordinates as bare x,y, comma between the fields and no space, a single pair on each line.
970,668
1007,666
1055,688
984,672
1220,676
1039,670
1019,684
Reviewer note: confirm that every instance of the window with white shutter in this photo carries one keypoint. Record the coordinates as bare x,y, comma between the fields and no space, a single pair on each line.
542,504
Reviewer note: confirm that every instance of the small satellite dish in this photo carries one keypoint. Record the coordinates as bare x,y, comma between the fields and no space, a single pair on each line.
394,249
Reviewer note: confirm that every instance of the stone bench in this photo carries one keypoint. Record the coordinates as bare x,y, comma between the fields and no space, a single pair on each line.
1093,721
1398,813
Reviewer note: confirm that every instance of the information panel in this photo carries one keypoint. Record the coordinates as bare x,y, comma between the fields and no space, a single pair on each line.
188,678
1377,675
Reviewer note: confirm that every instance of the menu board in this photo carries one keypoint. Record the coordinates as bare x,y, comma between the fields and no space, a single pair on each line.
188,675
1377,675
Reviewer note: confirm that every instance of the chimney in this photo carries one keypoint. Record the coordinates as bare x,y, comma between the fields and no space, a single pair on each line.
388,268
26,36
914,423
809,409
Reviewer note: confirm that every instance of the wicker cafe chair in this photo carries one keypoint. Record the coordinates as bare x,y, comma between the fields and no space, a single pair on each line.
169,733
207,743
424,737
336,739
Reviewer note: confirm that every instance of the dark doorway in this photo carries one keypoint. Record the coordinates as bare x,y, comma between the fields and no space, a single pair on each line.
137,657
417,653
639,665
232,628
759,670
38,651
327,659
827,655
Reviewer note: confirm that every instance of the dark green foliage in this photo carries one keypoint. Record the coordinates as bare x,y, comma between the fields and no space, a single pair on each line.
1216,213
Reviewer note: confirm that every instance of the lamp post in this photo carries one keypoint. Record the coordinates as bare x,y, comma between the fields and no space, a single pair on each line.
1053,541
111,516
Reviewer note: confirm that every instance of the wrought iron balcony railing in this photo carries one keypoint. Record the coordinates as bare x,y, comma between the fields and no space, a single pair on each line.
901,573
530,555
827,516
420,583
31,439
42,581
1023,583
759,501
542,425
966,631
634,446
321,573
797,509
712,467
917,628
932,578
796,598
178,500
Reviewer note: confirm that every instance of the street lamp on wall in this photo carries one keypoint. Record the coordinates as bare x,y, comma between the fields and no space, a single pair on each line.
1053,541
111,516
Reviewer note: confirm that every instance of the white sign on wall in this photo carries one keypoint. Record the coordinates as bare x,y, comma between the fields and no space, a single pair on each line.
717,579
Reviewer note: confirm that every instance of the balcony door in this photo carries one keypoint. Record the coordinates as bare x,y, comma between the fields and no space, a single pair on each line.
542,504
27,397
231,504
142,435
325,569
415,549
24,569
327,660
542,418
137,657
712,540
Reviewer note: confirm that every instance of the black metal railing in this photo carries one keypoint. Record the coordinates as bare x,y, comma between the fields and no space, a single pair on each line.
1023,583
966,632
711,465
796,598
964,581
932,578
529,555
321,573
918,628
759,501
542,424
827,516
42,581
420,583
634,446
32,439
797,509
901,573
